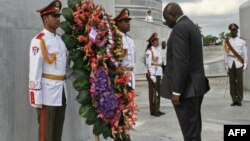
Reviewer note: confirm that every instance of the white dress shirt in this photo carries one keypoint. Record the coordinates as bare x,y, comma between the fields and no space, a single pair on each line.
149,18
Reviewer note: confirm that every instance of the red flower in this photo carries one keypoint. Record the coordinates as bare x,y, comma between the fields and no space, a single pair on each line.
82,39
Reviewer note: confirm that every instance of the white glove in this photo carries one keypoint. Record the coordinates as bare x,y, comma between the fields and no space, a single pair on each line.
153,78
245,66
36,105
226,67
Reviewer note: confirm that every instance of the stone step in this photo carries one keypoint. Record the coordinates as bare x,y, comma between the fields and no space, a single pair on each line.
213,53
213,48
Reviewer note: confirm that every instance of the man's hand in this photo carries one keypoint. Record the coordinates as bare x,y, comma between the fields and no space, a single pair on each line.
245,66
153,78
36,105
226,67
175,100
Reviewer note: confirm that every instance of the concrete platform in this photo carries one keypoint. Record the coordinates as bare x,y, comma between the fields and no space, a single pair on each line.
216,112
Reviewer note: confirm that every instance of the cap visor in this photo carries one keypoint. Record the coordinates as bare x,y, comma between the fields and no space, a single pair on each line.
57,13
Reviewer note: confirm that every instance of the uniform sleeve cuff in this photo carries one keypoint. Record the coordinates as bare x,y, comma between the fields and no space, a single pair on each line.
175,93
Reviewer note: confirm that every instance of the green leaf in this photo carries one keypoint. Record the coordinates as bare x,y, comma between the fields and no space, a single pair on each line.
90,121
84,98
98,127
78,64
66,27
80,31
87,65
76,54
92,117
81,83
80,73
72,4
68,14
70,42
77,58
84,111
107,132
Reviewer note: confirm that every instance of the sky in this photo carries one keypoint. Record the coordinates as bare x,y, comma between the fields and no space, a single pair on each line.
213,16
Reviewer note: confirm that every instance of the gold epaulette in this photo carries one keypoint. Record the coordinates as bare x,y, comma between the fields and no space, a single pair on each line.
49,59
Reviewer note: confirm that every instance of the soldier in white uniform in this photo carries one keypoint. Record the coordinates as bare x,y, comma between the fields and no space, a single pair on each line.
149,17
153,60
47,69
122,21
235,62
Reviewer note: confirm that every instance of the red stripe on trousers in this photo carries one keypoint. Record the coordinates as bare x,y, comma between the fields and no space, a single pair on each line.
42,123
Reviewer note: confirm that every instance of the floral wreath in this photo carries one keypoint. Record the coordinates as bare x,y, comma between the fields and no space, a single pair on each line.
95,46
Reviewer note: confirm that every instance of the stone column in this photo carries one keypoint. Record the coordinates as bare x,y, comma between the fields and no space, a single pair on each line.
245,33
138,8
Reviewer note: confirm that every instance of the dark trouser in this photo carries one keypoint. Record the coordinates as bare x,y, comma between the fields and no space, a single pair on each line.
163,68
51,119
154,94
236,83
189,116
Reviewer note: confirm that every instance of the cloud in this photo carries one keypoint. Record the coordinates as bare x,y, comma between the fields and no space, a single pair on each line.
213,16
215,24
211,7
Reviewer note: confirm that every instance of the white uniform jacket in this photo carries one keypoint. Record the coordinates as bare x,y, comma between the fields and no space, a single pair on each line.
149,18
154,61
129,60
44,91
239,45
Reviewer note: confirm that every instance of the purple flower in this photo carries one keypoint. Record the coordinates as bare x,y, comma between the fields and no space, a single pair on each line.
107,102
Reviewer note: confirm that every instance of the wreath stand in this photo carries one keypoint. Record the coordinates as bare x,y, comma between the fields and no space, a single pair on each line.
97,138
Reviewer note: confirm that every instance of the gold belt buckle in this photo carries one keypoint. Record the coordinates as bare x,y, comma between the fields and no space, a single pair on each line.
129,68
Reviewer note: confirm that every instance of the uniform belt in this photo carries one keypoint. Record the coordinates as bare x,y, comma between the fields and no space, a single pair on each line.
232,56
53,77
156,65
129,68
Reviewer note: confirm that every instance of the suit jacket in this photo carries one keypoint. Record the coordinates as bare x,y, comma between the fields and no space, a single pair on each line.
184,72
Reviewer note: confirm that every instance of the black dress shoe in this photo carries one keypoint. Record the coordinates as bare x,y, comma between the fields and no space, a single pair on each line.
161,113
156,114
234,103
239,104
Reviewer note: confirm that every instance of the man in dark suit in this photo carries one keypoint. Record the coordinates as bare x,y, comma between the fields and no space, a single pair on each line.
184,81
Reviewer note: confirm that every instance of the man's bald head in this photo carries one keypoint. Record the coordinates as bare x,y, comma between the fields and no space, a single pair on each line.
171,13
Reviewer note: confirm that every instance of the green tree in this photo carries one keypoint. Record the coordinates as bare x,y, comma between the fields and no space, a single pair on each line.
209,40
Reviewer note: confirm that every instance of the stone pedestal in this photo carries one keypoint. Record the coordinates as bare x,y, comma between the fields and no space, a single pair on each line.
245,33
